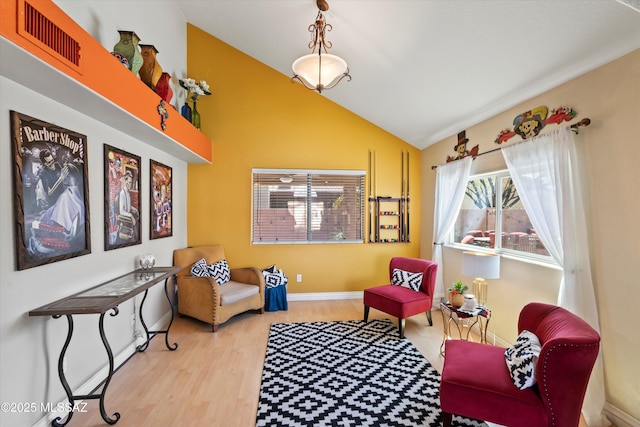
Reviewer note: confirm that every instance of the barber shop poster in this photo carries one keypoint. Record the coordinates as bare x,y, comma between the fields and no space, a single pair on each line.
121,198
51,192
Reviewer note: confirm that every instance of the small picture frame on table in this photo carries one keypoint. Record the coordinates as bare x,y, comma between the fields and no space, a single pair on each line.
161,202
121,198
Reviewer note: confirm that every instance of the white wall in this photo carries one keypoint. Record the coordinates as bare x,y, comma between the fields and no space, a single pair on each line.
30,346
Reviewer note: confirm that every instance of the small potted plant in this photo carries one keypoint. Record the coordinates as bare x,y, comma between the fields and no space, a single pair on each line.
456,293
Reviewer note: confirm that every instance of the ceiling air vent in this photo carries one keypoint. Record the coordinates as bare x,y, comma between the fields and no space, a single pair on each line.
43,32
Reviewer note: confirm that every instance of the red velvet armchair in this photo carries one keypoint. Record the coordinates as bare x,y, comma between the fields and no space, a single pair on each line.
569,348
400,301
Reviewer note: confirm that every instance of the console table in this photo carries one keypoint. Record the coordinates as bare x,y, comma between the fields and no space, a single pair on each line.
101,299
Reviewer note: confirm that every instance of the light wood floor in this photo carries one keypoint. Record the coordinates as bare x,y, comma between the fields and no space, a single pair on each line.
214,379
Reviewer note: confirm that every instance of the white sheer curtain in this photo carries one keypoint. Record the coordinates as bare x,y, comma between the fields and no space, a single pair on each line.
544,170
451,181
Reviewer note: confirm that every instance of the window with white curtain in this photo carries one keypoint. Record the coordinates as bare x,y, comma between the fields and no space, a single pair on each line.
482,218
308,206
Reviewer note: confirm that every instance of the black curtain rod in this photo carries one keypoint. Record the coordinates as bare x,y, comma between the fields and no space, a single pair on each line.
574,127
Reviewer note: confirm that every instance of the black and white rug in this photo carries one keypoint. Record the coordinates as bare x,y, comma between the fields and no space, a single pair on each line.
347,373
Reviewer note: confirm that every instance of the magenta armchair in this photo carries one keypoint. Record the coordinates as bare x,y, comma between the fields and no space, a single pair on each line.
400,301
569,348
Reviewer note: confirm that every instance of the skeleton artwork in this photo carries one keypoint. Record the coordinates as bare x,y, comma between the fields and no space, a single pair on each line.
530,123
530,127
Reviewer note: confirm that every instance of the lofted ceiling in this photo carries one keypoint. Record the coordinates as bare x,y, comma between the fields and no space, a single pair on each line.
424,70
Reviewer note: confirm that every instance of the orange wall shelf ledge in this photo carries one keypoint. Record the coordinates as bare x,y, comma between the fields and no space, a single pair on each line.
96,84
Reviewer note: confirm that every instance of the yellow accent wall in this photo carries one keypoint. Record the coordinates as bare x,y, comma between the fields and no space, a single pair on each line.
610,97
257,118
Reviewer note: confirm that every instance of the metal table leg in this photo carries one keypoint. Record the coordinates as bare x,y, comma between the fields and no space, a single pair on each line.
56,422
108,380
150,334
72,398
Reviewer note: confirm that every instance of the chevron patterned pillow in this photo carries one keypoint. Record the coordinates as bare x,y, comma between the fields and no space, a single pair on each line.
522,359
220,272
406,279
200,268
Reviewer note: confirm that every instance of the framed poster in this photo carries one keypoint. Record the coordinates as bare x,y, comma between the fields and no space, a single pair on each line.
161,200
50,192
121,198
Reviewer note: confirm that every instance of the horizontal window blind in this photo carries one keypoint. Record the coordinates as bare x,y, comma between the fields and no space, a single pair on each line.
307,206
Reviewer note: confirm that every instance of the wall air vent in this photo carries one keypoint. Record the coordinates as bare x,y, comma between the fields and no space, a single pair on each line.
43,32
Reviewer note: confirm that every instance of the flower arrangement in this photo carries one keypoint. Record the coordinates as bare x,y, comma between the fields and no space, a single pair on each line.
456,291
458,288
195,89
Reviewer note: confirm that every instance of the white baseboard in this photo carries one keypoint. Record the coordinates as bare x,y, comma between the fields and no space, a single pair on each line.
615,415
619,418
492,338
96,379
324,296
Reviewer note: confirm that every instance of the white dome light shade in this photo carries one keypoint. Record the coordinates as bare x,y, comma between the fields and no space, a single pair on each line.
320,71
478,264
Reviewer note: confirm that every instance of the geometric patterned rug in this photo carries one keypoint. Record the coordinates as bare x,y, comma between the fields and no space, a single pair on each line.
347,373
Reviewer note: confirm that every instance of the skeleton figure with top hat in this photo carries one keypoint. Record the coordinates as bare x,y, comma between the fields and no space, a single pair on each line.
461,148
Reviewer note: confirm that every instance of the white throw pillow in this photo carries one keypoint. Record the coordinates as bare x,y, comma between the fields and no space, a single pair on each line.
406,279
522,359
274,277
272,280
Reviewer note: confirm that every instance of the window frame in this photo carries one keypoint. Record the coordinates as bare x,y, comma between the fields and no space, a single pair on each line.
308,200
534,258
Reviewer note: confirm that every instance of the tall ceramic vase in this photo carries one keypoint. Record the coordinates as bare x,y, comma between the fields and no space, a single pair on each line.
151,70
128,47
195,116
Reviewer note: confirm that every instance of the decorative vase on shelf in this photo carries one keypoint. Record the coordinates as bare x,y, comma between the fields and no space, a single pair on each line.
163,87
195,116
186,112
127,46
151,70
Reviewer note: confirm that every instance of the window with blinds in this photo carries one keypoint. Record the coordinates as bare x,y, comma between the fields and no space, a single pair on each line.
307,206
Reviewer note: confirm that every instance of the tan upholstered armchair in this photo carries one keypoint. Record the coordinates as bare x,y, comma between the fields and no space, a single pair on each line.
203,299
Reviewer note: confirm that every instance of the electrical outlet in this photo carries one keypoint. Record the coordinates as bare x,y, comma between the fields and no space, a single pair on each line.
299,278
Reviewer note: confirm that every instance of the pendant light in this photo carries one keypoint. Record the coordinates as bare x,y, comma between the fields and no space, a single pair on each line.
321,70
